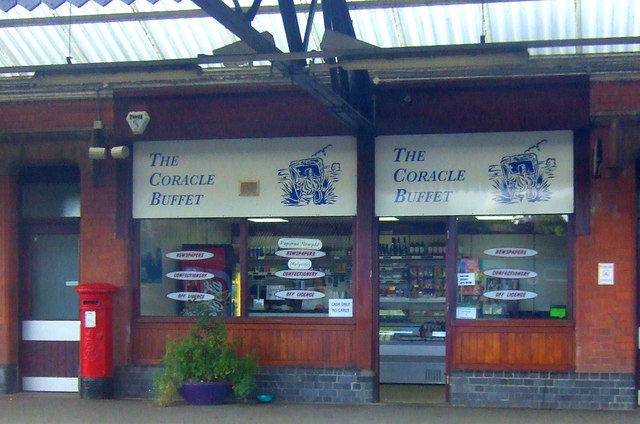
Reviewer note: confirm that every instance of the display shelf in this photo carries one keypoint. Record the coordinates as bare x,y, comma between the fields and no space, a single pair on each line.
282,259
395,299
329,275
287,314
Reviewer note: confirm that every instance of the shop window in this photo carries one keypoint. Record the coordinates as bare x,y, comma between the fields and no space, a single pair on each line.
186,260
512,267
301,267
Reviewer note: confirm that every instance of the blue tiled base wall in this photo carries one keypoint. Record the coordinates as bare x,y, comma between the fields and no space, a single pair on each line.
287,384
8,379
318,385
543,390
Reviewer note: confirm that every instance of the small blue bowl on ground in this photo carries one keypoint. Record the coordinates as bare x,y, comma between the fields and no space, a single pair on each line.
264,398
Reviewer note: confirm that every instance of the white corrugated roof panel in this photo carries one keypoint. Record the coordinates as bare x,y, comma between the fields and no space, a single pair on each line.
385,24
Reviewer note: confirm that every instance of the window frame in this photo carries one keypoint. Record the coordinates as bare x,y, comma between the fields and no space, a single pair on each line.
452,269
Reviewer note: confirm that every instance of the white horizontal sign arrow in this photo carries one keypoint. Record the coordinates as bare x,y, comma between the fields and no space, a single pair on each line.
299,243
299,294
510,295
189,255
190,275
510,252
190,296
299,274
300,253
513,274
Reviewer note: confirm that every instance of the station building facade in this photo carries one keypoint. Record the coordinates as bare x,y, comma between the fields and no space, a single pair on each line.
508,276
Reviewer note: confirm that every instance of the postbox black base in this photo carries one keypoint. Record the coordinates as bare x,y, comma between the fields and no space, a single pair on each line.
96,387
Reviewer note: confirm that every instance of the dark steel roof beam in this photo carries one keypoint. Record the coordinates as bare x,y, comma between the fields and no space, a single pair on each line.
355,86
307,32
290,23
237,25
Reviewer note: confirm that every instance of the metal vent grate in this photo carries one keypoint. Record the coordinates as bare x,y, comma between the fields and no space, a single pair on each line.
434,376
249,188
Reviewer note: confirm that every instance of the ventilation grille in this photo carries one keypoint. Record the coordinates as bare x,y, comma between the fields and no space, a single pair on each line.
249,188
434,376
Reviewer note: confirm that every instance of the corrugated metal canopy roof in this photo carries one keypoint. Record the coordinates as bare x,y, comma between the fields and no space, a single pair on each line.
46,32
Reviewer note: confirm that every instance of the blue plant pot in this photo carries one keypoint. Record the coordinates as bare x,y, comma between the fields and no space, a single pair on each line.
205,393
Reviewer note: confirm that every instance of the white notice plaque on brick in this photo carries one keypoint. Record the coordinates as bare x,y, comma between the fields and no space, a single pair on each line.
605,274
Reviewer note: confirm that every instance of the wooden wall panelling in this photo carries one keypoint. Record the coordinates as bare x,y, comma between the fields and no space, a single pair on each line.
520,345
297,343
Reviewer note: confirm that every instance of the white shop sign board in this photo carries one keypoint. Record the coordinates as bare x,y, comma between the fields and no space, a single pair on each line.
302,176
503,173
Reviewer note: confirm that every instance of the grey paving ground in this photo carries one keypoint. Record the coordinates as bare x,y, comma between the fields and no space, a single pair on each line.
69,409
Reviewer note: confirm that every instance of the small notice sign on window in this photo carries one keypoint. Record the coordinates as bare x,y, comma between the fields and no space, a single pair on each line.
466,278
340,307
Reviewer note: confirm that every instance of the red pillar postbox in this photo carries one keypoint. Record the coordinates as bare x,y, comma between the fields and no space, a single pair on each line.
96,340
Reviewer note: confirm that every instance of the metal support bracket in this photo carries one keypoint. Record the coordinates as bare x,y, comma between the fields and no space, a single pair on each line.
235,23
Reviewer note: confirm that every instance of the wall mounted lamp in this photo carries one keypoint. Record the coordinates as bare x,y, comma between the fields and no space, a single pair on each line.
100,153
120,152
97,153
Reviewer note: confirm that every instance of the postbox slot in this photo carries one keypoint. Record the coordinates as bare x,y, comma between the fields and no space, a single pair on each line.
89,302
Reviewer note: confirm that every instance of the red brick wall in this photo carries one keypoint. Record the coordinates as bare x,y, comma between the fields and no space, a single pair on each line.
615,96
104,256
8,271
54,114
606,315
104,248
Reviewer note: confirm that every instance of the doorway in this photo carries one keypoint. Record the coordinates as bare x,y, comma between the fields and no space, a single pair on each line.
412,309
49,313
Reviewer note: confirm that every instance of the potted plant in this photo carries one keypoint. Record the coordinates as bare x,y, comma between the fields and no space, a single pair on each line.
204,366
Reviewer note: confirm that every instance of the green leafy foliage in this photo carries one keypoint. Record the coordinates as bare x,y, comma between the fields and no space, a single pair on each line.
205,354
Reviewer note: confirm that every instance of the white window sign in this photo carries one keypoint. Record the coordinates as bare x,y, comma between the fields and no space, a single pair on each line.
340,307
466,312
272,290
466,278
475,174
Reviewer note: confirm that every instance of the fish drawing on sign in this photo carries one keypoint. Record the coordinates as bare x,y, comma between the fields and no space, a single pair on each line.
309,181
523,177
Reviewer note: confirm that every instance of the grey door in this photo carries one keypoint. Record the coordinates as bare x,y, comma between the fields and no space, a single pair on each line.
50,325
